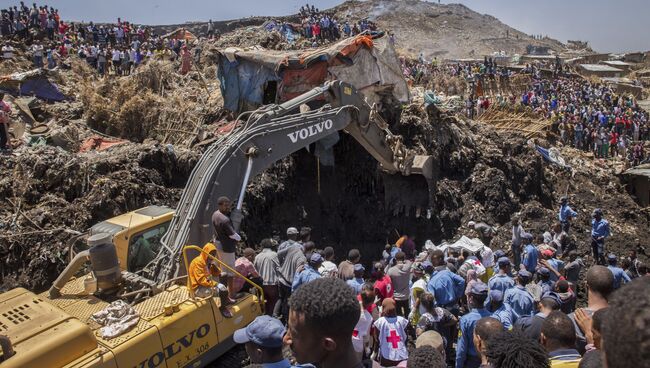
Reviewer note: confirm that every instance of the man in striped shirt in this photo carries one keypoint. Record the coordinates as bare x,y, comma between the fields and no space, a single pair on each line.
267,264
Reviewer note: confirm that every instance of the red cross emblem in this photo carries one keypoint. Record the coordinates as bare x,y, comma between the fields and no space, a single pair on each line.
393,338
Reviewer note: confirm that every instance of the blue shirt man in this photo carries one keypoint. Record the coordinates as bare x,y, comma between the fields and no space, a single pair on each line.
599,228
499,310
501,281
466,354
620,276
309,272
545,281
446,286
558,265
357,281
566,212
518,298
530,258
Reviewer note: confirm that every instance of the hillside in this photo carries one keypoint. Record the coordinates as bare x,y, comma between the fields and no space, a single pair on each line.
444,30
447,31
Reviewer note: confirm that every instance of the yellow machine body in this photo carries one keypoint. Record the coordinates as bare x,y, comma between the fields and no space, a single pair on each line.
175,328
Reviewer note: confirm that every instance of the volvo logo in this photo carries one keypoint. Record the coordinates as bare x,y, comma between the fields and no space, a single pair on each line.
310,131
175,347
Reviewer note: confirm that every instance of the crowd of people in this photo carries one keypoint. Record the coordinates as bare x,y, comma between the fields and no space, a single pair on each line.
591,117
319,27
586,115
115,49
431,308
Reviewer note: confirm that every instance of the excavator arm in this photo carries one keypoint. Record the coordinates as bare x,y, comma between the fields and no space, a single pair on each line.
269,134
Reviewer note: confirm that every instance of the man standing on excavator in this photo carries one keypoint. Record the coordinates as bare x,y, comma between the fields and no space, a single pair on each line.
226,239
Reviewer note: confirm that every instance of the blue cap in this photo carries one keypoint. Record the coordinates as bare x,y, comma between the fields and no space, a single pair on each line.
503,261
553,296
359,267
316,258
264,331
611,257
525,274
496,295
499,253
479,288
544,271
528,236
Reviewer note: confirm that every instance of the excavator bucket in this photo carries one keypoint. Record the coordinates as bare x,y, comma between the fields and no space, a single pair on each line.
411,193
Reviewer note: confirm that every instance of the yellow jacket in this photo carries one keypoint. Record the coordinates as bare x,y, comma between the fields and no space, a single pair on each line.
199,272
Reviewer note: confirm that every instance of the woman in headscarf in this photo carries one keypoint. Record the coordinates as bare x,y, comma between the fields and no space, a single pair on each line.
472,278
390,332
186,60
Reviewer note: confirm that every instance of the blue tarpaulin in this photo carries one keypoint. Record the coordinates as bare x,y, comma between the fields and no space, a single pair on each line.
41,88
243,81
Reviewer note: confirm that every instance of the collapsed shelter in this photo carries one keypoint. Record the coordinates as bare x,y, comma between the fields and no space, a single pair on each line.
254,76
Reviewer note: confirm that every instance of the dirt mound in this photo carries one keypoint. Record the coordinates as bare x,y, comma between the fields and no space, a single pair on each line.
446,31
49,192
155,102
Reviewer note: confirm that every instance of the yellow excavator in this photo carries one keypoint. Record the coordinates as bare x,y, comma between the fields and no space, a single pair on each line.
141,257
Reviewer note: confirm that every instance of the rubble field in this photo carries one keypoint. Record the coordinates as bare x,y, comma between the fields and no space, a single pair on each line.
52,191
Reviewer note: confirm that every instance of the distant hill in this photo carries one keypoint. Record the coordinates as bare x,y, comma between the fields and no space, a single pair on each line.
447,31
442,30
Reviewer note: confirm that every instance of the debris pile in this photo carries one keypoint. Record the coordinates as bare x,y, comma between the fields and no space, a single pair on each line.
51,194
155,102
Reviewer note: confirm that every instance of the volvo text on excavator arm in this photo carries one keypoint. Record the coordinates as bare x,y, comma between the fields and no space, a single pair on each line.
269,134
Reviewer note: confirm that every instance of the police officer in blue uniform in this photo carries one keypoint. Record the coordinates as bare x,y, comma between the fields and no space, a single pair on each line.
518,298
466,354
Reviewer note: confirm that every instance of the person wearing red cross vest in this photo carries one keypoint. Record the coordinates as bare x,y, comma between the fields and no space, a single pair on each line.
390,332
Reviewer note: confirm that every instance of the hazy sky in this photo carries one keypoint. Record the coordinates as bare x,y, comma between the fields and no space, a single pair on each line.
613,26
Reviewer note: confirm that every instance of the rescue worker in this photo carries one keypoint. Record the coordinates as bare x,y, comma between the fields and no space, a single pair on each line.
484,231
466,354
599,232
518,298
620,277
566,214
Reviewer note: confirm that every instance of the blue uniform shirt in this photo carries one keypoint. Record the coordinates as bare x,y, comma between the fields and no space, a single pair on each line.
620,277
505,315
355,284
566,212
446,286
465,344
501,282
530,258
520,300
599,228
557,265
306,275
546,286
